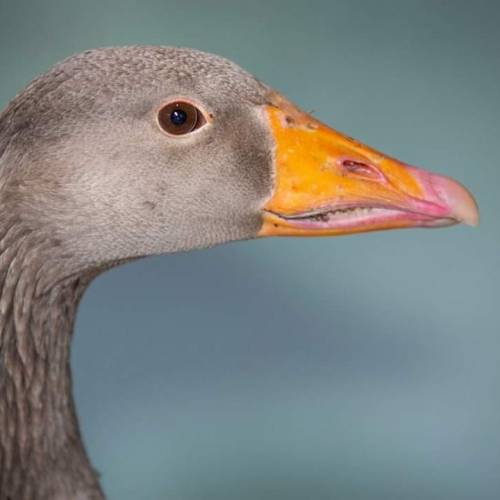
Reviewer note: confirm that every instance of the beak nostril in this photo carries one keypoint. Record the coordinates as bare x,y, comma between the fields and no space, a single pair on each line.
362,169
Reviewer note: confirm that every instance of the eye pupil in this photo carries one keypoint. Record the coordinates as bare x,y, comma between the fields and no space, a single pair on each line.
178,117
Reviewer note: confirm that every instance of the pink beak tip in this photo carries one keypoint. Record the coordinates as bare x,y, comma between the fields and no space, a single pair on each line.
458,199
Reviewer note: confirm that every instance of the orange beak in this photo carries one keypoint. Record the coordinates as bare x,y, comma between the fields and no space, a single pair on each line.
329,184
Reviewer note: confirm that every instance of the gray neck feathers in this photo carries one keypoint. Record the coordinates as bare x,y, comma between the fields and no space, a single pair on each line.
41,451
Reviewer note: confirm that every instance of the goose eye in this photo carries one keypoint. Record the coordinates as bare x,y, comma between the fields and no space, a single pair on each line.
180,118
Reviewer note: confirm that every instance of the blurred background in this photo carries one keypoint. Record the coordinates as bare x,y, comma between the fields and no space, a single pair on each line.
361,367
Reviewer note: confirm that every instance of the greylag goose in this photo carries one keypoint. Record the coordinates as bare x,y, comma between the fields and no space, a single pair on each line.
120,153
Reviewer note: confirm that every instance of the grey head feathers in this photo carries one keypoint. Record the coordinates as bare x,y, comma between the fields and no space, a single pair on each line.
83,158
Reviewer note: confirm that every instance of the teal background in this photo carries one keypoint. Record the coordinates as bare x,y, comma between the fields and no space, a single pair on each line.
362,367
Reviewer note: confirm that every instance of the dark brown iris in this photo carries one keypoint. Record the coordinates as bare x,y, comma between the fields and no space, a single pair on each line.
180,117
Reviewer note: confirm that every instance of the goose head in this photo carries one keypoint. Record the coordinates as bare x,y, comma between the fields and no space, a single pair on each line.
124,152
120,153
